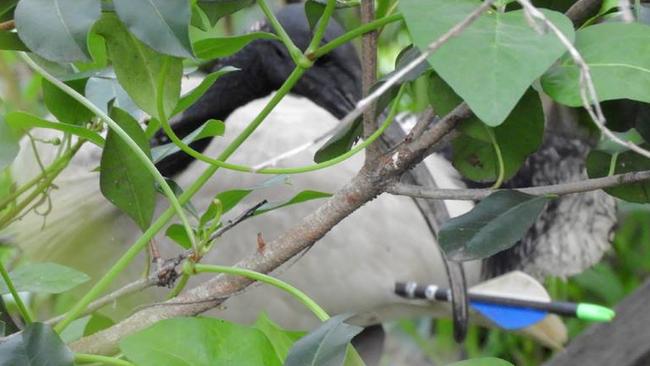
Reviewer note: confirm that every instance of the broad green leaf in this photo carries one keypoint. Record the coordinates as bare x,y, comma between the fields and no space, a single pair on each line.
8,145
619,64
25,121
493,225
177,233
313,10
37,345
199,342
161,24
474,155
598,165
123,178
138,67
7,6
211,128
298,198
486,361
325,346
196,93
11,41
281,339
217,9
57,29
45,278
98,54
178,191
494,61
104,91
211,48
64,107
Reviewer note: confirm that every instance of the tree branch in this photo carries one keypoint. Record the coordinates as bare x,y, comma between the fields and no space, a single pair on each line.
554,189
369,75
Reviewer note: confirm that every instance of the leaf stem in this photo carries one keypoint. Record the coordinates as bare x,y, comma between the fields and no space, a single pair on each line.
24,310
261,277
319,32
162,220
354,33
162,117
295,52
500,164
88,358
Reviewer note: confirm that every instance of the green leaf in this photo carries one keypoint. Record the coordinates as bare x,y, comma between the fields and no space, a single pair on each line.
138,67
494,61
25,121
177,233
217,9
85,326
57,29
493,225
520,135
598,165
210,128
281,339
325,346
123,178
196,93
11,41
313,10
104,91
211,48
298,198
64,107
486,361
229,199
199,342
161,24
37,345
45,278
620,67
8,145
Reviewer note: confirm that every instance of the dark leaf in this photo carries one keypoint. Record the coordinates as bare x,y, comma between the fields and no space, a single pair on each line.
313,10
501,53
138,67
123,179
325,346
57,29
161,24
37,345
64,107
199,342
598,165
45,278
494,225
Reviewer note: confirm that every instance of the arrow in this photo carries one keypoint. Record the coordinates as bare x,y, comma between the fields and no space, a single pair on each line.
506,311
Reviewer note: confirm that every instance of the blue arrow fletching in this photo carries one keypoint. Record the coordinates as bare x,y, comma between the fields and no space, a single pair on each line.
509,317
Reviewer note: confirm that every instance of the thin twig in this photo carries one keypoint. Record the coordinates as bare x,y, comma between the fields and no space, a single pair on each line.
237,220
587,89
553,189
